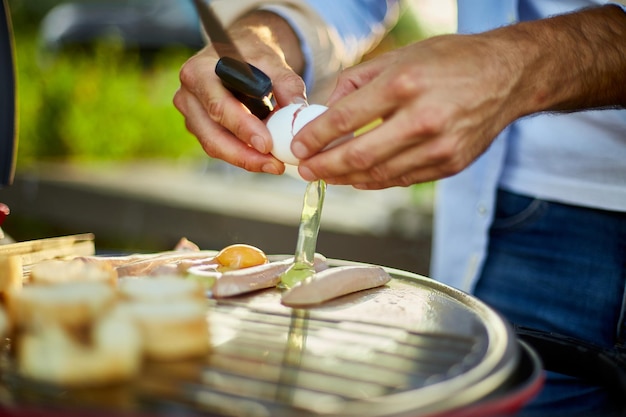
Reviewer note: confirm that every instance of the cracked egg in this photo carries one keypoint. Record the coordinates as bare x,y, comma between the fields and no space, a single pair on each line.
285,123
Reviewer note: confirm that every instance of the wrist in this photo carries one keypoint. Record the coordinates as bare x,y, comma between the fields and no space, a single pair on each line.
269,29
569,62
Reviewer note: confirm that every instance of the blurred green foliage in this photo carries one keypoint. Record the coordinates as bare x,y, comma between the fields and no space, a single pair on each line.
104,106
108,102
105,103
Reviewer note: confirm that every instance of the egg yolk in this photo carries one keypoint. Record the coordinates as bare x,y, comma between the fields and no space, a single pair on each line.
239,256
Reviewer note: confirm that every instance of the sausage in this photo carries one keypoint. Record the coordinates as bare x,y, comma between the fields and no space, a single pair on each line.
258,277
121,260
333,283
241,281
115,261
146,266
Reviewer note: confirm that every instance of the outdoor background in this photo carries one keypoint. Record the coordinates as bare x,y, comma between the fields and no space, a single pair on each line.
105,96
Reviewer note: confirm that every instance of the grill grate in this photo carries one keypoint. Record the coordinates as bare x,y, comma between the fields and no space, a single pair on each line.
279,363
414,347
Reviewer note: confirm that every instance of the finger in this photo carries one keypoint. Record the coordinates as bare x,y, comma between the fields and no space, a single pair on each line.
431,160
288,88
198,77
355,77
224,109
370,150
218,142
366,180
345,85
365,153
343,118
421,176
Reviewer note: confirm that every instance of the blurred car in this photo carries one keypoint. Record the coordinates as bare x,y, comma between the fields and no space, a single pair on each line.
142,24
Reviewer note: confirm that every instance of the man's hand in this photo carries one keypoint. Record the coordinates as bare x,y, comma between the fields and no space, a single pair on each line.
442,101
224,127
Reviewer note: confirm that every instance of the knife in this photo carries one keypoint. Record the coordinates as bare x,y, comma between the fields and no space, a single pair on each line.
248,84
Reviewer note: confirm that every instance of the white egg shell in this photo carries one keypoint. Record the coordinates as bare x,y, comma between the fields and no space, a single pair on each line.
285,123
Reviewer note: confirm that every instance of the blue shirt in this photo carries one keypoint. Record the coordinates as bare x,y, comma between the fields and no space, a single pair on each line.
575,158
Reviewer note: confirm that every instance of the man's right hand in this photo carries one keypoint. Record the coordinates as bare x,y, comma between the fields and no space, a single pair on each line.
224,126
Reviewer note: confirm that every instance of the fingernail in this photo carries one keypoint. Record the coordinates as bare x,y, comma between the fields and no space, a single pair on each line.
270,169
299,100
258,143
306,174
299,150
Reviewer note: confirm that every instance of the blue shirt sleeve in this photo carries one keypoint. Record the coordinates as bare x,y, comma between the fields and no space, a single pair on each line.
360,24
356,26
355,19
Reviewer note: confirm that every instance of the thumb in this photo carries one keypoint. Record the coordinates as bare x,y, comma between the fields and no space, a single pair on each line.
289,88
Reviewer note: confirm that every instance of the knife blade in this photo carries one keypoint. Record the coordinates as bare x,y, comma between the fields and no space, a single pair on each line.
248,84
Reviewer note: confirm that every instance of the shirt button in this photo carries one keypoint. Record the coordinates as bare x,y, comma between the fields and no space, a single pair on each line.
482,210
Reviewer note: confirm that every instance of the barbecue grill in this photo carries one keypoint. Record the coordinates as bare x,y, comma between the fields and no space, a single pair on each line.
412,348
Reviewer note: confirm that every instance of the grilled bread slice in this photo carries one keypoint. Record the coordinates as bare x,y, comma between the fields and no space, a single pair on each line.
60,271
74,333
11,274
171,331
72,304
171,313
107,352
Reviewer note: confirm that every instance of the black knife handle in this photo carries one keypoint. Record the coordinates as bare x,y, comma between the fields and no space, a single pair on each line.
249,84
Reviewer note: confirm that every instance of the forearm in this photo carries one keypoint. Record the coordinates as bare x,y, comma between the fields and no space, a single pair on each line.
570,62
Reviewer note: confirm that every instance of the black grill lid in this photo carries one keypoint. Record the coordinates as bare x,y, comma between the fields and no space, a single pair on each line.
8,136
